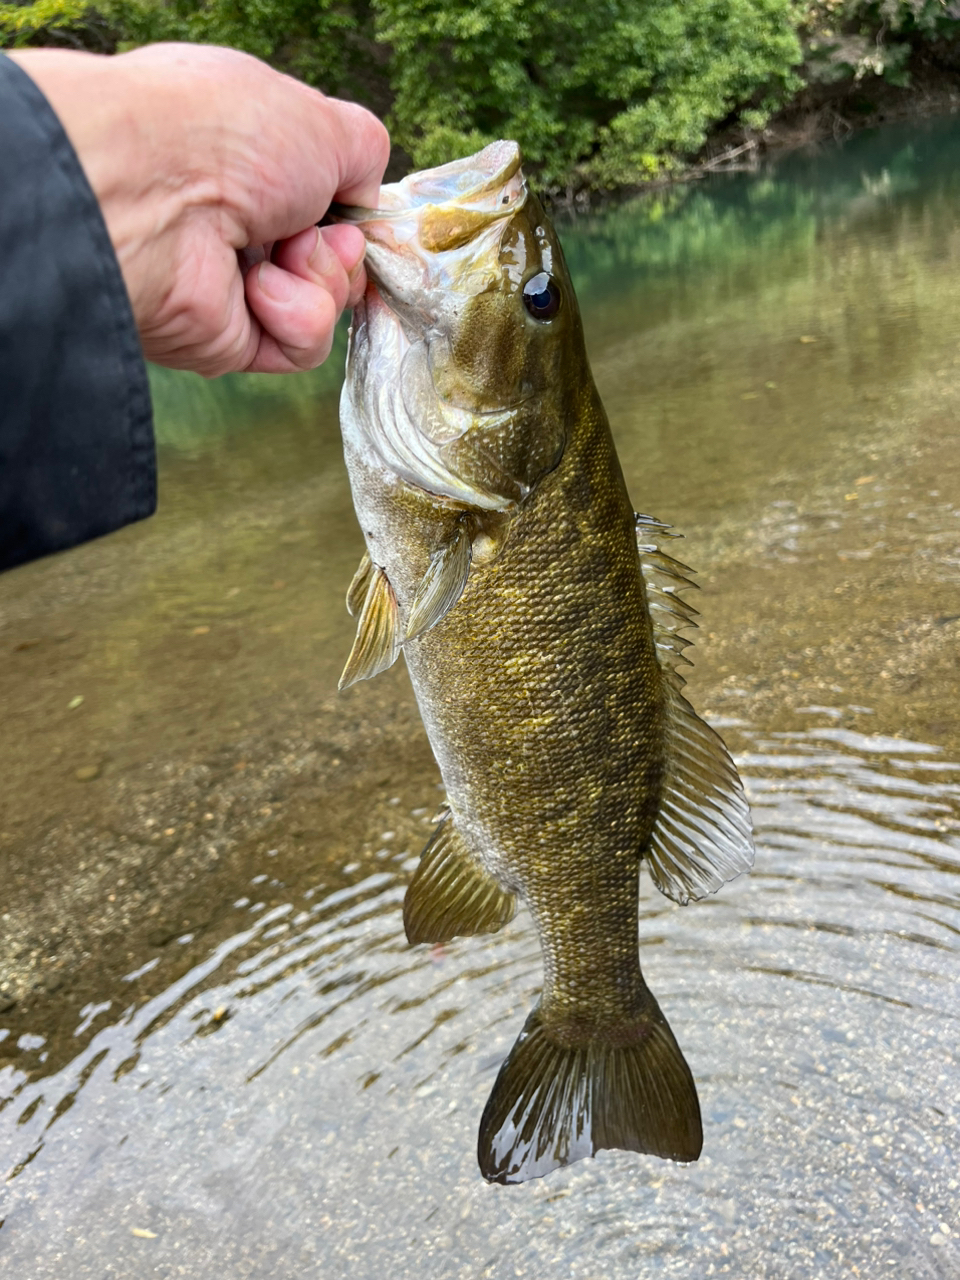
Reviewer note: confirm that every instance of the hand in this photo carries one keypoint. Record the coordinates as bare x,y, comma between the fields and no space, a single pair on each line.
211,170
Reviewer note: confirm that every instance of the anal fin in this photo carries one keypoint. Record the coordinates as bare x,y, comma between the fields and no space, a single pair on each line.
451,894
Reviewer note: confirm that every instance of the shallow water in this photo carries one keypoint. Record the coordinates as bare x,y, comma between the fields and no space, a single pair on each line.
220,1054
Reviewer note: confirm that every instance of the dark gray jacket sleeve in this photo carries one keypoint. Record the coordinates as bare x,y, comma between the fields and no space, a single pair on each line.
76,429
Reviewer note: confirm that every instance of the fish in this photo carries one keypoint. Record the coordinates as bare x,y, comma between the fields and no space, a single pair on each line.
541,623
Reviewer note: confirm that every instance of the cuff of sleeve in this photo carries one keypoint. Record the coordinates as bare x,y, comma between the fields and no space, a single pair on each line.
77,455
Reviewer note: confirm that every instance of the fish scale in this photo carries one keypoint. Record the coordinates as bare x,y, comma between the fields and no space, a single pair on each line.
539,624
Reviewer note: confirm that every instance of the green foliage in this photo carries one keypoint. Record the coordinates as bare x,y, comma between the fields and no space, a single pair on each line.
320,41
611,91
928,18
75,23
856,39
598,92
328,43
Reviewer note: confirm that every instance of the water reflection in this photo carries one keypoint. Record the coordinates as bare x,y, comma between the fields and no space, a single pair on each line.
314,1061
217,1052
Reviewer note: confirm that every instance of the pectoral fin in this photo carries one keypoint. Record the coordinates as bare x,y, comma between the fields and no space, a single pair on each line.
442,584
450,894
357,590
375,647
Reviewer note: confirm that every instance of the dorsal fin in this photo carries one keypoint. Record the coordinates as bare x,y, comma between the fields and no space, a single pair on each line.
450,894
375,647
664,578
442,584
703,833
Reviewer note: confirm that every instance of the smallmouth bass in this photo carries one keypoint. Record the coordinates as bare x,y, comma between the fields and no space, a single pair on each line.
539,620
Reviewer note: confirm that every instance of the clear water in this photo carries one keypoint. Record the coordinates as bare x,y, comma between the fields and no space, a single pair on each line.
217,1053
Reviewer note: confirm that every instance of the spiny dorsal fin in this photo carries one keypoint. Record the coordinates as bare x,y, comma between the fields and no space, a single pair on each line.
375,647
450,895
442,584
557,1101
664,578
703,833
357,590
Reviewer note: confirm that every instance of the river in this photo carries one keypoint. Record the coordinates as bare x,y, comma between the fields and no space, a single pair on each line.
218,1056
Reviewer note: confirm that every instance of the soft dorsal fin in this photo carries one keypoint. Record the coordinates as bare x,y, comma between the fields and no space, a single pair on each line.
703,833
442,584
375,647
357,590
450,894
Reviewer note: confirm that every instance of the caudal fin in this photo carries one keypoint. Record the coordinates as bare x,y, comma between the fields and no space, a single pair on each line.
553,1104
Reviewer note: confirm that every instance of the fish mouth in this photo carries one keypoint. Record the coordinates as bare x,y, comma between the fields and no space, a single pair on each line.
433,228
431,246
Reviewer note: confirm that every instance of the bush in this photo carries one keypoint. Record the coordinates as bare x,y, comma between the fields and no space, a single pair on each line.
319,41
74,23
608,91
324,42
597,92
855,39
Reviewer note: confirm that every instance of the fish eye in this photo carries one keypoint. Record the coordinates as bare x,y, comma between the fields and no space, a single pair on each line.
541,296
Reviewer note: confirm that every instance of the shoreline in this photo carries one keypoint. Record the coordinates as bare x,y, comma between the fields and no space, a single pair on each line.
818,115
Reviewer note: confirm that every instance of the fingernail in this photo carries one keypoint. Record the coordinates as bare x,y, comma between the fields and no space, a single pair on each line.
354,274
275,283
322,253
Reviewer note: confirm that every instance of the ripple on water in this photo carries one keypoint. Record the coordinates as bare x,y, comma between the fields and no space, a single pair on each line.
310,1092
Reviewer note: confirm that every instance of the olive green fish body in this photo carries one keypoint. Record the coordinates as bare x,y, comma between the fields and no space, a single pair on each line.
541,639
548,728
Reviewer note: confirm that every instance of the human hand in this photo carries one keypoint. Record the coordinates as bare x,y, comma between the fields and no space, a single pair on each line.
211,170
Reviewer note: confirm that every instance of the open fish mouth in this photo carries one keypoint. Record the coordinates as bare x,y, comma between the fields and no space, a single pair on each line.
436,228
444,201
433,246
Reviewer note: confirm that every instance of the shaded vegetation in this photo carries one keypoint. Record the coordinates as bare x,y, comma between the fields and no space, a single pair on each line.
605,91
601,94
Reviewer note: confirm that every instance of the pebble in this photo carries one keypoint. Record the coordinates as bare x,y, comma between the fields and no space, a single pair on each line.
87,772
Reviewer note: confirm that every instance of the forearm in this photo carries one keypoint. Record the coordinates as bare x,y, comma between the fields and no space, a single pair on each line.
143,185
76,440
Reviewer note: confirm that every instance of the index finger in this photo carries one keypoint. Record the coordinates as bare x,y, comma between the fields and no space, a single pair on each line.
361,151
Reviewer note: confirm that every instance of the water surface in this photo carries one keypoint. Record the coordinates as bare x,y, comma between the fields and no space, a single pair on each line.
217,1052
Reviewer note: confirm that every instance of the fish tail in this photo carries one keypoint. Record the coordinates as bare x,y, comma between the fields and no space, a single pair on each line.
556,1102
